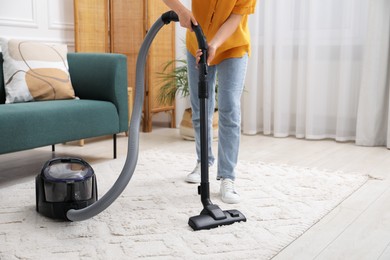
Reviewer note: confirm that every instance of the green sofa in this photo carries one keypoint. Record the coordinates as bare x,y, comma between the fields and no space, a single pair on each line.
99,80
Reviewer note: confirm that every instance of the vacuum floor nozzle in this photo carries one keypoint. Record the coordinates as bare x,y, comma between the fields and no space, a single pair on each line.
206,221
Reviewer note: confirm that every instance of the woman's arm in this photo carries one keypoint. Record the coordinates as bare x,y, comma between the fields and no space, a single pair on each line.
185,16
224,32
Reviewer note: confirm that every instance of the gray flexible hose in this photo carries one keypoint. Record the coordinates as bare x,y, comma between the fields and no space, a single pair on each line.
133,142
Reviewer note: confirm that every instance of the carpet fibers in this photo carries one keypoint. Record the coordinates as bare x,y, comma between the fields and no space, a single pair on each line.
149,220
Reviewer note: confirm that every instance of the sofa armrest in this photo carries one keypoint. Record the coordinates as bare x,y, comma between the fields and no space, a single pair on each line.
101,76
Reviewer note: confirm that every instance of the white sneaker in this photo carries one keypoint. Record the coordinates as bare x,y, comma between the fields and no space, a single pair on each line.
194,176
228,194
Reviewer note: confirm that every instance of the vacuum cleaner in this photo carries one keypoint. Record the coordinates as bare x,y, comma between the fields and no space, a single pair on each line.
66,187
64,184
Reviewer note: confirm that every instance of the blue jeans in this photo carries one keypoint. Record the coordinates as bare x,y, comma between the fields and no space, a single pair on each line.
231,76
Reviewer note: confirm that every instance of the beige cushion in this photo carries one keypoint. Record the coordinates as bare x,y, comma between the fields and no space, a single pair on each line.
35,71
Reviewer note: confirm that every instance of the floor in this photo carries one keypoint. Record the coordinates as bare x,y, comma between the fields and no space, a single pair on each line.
359,228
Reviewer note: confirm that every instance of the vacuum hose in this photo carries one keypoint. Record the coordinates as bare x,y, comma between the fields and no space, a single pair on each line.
133,139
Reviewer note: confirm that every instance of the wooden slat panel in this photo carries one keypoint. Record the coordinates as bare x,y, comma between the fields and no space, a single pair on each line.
120,26
161,52
127,31
91,26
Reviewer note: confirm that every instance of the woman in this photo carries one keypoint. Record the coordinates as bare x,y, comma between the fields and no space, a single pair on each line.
224,23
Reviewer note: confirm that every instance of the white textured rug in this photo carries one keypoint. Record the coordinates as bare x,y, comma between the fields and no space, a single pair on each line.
150,219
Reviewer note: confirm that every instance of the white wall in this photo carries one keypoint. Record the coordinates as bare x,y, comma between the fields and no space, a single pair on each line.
41,20
180,33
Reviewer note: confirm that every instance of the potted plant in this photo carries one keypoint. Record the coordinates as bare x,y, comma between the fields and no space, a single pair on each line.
175,82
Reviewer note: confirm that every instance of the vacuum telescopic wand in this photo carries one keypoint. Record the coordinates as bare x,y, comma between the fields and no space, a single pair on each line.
211,216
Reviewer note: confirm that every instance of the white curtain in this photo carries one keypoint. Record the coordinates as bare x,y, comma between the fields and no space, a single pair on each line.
319,69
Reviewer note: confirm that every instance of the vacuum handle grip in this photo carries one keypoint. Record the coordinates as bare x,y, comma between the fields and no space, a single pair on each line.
169,16
202,43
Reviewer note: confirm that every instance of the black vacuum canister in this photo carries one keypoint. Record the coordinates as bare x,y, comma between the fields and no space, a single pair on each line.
64,184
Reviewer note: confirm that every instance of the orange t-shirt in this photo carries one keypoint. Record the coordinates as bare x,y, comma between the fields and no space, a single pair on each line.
211,14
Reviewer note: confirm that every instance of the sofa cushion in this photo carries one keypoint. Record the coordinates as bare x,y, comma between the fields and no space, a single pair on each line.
54,122
35,71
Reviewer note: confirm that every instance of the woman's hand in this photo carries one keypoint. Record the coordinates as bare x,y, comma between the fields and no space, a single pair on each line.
211,50
186,18
224,32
